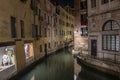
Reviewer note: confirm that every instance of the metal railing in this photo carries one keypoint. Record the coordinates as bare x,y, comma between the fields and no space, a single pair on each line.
104,56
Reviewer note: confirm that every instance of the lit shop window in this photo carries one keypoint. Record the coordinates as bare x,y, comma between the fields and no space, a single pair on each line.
7,61
7,57
28,50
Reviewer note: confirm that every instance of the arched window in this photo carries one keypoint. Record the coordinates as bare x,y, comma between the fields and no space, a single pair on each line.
110,41
110,25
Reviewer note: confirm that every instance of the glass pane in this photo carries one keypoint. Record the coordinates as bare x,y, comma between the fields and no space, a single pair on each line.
104,42
115,25
108,43
107,26
117,43
113,43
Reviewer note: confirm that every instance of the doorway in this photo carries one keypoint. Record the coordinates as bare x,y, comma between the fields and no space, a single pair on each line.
94,47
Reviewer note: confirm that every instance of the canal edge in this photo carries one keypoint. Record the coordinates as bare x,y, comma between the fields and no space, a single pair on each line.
99,68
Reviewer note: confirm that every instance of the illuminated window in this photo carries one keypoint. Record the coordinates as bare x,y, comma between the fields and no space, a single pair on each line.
7,60
29,53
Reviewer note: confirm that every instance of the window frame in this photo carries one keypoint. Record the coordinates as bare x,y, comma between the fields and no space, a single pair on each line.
111,25
22,28
13,27
104,1
115,35
93,3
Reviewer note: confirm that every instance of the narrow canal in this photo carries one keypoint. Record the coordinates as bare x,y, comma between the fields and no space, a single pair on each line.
60,66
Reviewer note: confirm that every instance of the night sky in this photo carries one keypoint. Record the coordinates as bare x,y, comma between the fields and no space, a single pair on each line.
65,2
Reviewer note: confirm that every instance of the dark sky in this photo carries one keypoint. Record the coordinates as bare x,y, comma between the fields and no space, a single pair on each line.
65,2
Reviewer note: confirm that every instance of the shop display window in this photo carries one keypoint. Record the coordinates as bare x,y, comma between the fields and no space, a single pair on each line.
29,53
7,57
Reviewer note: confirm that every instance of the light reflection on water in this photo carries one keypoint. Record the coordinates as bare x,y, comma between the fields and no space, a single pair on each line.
56,67
61,67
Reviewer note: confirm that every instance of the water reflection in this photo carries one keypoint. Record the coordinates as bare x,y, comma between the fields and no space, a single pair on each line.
61,67
56,67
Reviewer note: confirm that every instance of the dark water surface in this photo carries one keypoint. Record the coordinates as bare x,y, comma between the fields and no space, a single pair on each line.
60,66
56,67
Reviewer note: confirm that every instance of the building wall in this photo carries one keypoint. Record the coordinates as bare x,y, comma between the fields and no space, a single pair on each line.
97,17
22,11
80,39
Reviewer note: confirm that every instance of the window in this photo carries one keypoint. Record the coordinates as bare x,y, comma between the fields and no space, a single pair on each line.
60,32
104,1
54,32
23,1
84,31
48,45
83,5
48,20
58,10
40,31
41,48
54,44
7,59
36,10
13,28
93,3
51,20
45,17
32,4
22,28
29,53
34,30
111,42
39,14
111,0
45,32
48,32
67,24
110,25
83,19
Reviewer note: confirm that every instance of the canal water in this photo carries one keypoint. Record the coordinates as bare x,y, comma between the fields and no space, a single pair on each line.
60,66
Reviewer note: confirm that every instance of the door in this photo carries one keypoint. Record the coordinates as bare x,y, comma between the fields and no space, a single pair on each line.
94,47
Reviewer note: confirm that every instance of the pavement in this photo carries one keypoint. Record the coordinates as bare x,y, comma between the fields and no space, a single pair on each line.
102,64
